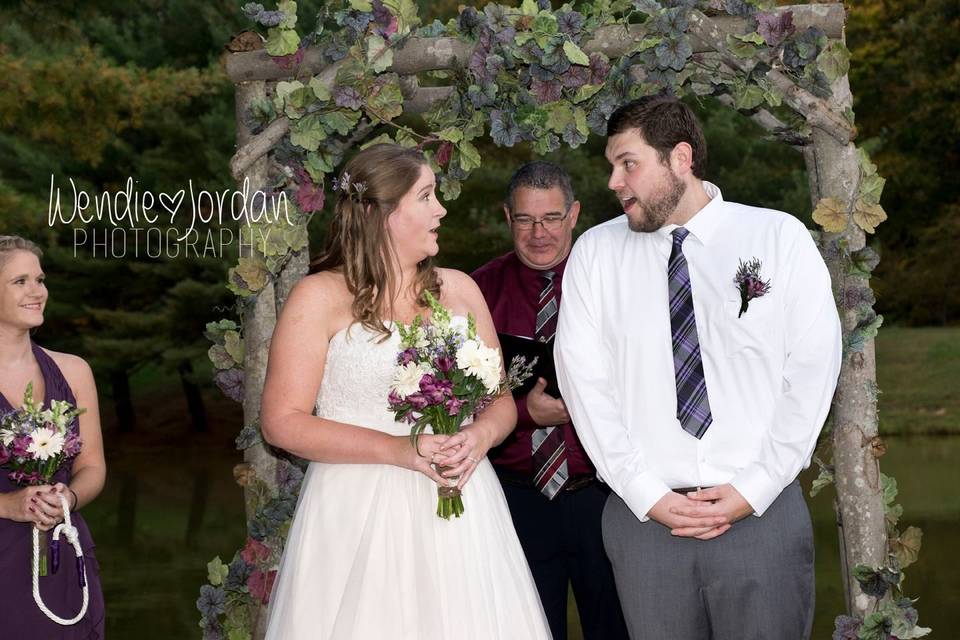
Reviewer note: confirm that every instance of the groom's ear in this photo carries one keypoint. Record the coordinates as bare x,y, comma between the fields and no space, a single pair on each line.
506,213
681,158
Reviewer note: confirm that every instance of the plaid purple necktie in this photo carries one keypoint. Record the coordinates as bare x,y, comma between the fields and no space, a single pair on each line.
549,451
693,405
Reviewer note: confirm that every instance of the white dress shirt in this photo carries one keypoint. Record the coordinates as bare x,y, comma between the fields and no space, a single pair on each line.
770,374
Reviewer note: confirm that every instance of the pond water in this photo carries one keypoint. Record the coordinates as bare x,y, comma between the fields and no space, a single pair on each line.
167,511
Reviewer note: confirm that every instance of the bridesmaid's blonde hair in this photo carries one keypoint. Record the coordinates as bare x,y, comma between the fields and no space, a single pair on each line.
358,244
9,244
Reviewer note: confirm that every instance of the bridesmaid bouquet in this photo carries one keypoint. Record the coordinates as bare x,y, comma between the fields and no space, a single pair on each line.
445,374
35,442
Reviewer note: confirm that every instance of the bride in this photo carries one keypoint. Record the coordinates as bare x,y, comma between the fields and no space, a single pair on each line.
367,557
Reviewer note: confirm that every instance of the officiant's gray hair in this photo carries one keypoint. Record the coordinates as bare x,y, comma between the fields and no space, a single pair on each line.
540,174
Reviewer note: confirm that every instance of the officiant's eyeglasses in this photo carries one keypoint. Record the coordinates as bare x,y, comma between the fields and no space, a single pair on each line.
550,222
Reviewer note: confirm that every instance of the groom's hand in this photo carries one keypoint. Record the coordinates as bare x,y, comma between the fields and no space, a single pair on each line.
544,409
667,512
722,501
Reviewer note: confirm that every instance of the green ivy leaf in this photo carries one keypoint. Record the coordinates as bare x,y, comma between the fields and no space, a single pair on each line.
289,8
385,98
308,132
586,92
342,120
449,188
469,156
282,42
834,60
825,478
752,38
317,164
233,344
363,6
580,121
575,54
647,43
740,48
379,55
219,357
217,571
239,634
475,126
871,187
320,89
747,96
867,168
451,134
559,115
907,546
406,12
252,272
529,8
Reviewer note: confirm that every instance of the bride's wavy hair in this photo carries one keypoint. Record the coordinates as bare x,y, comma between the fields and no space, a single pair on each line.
358,244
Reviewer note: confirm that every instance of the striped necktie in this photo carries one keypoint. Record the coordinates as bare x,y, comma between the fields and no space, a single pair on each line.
693,405
549,451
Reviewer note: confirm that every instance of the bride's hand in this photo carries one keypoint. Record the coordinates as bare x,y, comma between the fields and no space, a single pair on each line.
464,450
421,457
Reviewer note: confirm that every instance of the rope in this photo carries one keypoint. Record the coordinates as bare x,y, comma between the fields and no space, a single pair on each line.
73,537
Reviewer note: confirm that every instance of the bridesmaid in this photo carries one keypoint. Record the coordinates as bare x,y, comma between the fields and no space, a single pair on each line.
55,376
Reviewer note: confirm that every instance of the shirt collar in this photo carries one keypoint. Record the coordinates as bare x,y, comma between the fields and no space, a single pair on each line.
534,274
704,223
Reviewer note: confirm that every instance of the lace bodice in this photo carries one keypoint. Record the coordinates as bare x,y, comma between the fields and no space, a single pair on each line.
356,380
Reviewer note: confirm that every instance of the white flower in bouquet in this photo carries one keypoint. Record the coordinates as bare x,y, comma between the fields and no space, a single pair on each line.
479,360
423,340
7,436
459,325
406,379
45,443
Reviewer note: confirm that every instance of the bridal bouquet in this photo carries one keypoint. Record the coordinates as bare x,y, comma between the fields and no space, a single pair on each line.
35,442
445,374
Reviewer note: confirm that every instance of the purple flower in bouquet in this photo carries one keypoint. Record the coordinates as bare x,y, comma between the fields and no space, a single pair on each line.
444,363
407,356
20,448
749,283
453,406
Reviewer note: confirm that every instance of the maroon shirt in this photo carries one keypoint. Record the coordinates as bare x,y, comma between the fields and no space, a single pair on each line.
512,289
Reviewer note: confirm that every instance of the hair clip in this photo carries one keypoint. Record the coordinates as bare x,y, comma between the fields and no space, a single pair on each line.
353,190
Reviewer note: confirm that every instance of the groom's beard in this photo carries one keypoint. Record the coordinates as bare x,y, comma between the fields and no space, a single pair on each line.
657,210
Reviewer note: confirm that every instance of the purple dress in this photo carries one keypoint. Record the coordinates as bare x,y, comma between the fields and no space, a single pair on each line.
20,617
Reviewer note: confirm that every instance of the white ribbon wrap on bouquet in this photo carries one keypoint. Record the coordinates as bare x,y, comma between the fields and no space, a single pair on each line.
73,537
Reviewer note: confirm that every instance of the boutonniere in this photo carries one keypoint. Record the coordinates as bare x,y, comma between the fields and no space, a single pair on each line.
749,283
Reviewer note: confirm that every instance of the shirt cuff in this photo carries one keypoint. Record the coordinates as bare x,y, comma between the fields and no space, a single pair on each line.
642,492
757,487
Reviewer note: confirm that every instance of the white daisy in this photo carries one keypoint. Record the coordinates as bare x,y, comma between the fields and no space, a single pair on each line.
45,443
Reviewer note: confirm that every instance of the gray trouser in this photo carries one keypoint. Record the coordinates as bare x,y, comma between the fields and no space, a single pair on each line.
754,582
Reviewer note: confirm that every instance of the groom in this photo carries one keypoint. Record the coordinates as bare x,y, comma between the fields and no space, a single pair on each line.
698,349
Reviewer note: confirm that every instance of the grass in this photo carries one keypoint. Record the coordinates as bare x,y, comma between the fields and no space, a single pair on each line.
917,371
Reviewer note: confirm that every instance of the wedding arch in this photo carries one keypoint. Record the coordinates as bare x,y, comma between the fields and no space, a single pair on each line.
550,77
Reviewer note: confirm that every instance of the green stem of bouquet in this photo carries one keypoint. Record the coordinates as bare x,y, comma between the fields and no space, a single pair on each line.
449,501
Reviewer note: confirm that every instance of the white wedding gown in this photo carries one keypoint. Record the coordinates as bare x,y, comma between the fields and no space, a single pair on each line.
368,558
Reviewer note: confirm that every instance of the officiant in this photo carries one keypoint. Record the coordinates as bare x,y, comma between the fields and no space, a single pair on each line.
551,486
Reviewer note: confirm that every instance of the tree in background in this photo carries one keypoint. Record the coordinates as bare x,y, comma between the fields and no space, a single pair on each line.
905,74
